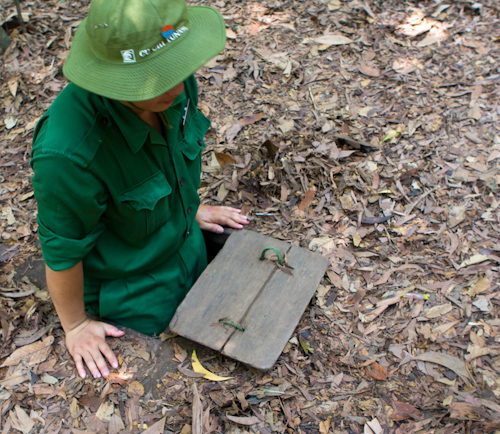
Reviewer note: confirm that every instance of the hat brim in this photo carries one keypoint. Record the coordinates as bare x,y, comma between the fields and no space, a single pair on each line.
146,80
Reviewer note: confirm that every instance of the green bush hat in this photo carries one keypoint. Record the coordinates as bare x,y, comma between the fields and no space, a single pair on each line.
134,50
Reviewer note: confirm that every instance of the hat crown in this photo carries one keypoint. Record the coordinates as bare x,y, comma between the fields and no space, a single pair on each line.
121,30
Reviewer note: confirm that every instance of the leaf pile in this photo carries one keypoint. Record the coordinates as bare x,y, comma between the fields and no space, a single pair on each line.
367,131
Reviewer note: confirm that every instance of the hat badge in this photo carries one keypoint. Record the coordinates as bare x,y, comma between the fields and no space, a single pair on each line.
167,31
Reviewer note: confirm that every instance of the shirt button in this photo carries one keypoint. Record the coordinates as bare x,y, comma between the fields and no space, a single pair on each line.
181,182
104,121
200,143
189,210
187,233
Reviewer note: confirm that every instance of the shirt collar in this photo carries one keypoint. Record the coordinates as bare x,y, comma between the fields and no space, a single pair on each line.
133,128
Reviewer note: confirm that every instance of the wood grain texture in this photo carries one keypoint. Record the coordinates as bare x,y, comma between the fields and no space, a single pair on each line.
226,289
273,317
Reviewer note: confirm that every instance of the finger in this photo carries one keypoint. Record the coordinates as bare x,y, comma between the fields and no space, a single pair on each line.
234,221
243,219
113,331
99,360
109,355
233,224
211,227
94,370
79,365
228,208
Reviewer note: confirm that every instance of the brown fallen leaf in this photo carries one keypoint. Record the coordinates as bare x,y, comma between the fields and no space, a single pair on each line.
120,378
245,209
465,411
475,259
387,274
30,336
197,426
450,362
346,139
404,411
233,132
456,215
180,353
357,297
157,428
115,424
105,411
333,40
224,159
30,354
434,36
13,380
252,119
324,426
135,388
482,285
381,306
21,421
376,371
285,269
438,311
369,70
308,198
243,420
91,401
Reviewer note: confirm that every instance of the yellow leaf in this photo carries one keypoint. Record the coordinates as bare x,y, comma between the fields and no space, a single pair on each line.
356,240
390,135
197,367
306,346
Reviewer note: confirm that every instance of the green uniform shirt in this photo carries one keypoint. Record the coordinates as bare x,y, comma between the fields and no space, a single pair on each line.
115,194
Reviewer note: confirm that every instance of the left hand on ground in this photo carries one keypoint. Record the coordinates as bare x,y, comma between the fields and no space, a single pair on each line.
210,218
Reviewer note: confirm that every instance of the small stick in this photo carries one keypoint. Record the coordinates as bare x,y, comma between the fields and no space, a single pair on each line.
20,15
312,98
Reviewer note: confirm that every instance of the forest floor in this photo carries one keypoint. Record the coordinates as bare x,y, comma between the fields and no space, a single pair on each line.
367,131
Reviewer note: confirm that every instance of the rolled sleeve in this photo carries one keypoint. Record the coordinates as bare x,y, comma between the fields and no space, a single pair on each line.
71,201
61,253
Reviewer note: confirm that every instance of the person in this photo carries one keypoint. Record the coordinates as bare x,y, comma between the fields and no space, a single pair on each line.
117,164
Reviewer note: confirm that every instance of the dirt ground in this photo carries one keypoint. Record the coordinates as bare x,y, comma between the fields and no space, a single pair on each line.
366,131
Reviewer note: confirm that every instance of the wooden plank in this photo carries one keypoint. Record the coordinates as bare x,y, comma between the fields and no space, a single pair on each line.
226,289
273,317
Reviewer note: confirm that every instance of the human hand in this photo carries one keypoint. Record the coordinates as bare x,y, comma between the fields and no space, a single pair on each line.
211,217
87,342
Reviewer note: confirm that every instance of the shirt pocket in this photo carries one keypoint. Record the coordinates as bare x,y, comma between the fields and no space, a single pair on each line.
147,205
192,143
196,127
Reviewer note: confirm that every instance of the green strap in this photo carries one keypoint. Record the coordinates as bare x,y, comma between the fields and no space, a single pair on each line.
278,254
232,324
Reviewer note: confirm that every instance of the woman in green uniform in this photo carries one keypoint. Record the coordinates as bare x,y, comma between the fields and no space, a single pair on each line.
117,162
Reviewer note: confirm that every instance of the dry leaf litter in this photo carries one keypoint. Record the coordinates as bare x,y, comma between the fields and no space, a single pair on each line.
365,130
